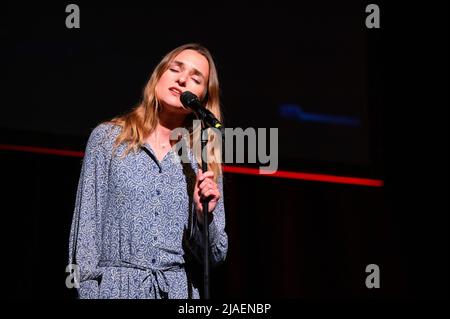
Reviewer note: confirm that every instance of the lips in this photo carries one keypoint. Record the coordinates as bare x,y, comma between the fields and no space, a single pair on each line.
175,90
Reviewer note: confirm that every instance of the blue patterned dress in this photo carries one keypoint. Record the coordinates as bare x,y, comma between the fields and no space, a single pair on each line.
134,228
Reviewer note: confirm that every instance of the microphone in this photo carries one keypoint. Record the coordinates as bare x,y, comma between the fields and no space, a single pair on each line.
191,101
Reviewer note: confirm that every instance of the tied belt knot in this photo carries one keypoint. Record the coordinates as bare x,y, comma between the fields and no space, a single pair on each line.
154,280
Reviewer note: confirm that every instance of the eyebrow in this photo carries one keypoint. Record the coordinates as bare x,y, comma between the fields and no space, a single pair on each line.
195,71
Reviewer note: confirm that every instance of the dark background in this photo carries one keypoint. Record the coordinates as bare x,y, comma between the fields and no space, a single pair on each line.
288,238
266,56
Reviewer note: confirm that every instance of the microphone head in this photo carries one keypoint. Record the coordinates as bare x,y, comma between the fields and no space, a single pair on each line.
188,99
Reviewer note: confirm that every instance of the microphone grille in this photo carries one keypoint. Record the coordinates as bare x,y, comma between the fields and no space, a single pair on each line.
187,98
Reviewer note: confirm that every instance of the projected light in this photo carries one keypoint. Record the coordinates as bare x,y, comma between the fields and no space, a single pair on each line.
294,111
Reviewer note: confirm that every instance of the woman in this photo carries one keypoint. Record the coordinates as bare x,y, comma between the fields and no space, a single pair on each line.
138,213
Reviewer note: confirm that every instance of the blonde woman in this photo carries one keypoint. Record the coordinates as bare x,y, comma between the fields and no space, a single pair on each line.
138,213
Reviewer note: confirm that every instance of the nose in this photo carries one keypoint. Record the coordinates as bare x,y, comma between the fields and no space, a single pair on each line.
182,79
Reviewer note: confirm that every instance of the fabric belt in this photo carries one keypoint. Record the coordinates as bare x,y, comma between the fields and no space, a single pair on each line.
155,278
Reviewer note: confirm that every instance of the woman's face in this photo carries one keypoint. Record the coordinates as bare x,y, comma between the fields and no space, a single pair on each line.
188,71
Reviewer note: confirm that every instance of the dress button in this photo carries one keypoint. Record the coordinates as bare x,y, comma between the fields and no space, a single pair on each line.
156,214
153,260
158,192
155,238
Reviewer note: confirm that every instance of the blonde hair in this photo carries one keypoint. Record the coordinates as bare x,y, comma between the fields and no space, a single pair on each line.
141,121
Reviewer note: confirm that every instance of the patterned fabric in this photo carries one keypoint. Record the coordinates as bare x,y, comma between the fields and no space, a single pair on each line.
134,227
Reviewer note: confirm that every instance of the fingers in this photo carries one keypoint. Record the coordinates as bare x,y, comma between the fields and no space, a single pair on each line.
207,188
208,174
207,183
206,180
214,193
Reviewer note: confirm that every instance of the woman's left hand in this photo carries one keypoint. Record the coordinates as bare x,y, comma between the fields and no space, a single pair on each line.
205,187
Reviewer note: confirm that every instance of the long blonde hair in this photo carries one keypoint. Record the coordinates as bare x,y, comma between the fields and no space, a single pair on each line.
141,121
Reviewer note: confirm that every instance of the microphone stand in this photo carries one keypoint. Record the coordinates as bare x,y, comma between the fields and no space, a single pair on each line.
205,201
190,100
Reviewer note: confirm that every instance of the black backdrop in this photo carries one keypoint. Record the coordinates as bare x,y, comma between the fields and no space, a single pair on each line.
313,56
288,238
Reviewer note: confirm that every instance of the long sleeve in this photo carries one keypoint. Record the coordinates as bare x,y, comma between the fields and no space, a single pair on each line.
218,238
85,235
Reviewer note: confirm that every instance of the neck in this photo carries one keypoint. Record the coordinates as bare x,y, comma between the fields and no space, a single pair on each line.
167,122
